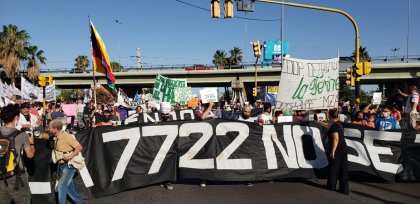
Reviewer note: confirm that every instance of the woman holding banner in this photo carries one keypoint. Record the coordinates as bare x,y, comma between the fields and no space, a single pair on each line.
338,169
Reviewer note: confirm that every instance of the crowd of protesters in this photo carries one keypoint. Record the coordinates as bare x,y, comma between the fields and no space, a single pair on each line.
30,121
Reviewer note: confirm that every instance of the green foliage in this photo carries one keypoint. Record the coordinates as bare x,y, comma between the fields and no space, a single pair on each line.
82,62
66,95
363,54
12,49
116,67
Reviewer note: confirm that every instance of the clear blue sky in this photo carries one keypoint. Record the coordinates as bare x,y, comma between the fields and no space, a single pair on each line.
169,32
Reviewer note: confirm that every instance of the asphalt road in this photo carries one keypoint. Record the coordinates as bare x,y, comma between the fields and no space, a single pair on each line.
290,191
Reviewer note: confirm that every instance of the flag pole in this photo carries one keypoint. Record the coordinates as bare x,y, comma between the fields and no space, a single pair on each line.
93,62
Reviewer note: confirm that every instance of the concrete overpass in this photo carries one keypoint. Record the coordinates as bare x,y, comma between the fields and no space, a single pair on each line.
381,73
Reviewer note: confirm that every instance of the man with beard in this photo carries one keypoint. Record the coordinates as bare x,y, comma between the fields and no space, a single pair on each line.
246,114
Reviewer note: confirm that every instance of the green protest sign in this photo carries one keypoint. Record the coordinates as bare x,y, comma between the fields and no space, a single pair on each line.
163,89
182,94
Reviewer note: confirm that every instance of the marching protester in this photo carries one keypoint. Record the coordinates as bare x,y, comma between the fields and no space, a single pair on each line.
265,117
246,114
359,118
57,112
202,114
69,147
205,111
79,113
87,111
115,113
411,115
27,121
14,184
338,169
105,119
165,118
386,122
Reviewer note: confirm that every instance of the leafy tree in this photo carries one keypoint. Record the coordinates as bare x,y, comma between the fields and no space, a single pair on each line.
34,56
104,96
219,59
235,56
66,95
116,67
82,62
363,54
12,49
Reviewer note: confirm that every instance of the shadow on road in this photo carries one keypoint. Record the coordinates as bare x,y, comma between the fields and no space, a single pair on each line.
390,190
374,197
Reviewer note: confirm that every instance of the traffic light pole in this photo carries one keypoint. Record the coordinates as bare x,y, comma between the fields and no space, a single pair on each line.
256,74
44,108
356,29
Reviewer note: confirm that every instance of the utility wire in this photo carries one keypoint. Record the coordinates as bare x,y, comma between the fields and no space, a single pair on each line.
252,19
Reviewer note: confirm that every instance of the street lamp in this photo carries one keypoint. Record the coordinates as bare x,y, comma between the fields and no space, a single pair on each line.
119,42
395,50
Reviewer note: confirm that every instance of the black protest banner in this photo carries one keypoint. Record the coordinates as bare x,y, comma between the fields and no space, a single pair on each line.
136,155
39,171
157,116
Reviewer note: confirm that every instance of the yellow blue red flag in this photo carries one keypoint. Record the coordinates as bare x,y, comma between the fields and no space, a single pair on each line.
100,57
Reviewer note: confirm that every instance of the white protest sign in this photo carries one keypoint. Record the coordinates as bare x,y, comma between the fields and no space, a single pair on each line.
165,107
50,93
308,84
182,94
29,91
377,98
284,119
208,94
7,91
151,104
123,99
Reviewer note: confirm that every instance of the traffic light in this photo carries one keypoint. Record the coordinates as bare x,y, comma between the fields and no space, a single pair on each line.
350,77
363,68
45,80
228,8
42,81
257,48
49,79
215,9
254,91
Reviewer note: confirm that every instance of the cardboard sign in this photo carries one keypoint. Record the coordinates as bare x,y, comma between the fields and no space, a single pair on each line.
193,103
377,98
163,90
209,94
165,107
284,119
182,94
308,84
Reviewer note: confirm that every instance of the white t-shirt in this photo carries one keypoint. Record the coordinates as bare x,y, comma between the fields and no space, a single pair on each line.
264,119
413,98
250,119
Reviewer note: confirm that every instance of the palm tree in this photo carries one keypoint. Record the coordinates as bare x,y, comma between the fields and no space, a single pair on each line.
219,59
12,49
363,54
116,67
33,56
82,62
235,56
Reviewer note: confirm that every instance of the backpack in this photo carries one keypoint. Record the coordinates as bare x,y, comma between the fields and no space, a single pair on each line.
8,155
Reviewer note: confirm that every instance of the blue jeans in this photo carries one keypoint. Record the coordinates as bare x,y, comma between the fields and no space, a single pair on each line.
66,186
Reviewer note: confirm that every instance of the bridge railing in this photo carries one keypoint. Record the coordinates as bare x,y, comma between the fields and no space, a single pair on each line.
344,62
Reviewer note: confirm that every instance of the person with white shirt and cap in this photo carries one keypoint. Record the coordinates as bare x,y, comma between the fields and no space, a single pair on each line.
27,121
